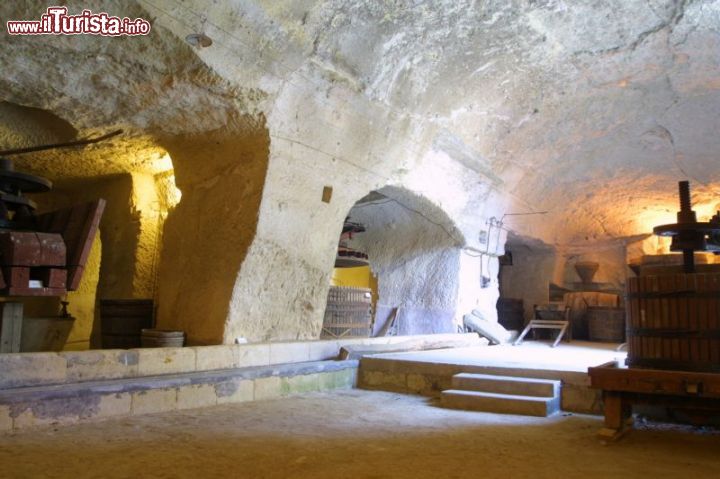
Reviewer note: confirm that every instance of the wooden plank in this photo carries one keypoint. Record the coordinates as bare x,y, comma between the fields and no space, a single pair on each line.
654,319
78,226
53,249
25,291
11,327
665,284
680,347
16,276
714,312
669,305
644,342
674,320
53,222
702,344
53,277
654,381
19,248
617,410
691,320
389,322
630,315
652,316
634,313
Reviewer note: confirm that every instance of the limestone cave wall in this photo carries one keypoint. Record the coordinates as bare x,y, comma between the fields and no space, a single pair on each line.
416,261
206,237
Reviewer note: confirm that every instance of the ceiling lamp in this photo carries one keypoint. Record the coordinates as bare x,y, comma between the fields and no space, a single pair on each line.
199,40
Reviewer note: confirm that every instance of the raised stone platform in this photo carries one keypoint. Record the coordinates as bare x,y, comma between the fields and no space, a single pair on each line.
430,372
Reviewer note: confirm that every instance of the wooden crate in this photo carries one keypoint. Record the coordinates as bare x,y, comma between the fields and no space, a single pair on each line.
348,313
122,321
606,324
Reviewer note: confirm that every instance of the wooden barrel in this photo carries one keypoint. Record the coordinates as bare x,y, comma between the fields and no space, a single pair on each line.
511,313
348,313
674,322
663,264
606,324
162,338
122,320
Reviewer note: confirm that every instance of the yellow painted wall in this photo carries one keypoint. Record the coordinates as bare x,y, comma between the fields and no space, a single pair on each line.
358,277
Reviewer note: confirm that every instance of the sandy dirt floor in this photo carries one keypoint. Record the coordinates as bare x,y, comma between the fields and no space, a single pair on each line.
354,434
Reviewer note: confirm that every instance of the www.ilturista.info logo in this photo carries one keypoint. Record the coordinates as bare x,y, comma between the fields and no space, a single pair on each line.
56,21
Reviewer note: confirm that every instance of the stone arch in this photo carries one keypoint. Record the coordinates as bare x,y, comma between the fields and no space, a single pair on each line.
414,251
132,173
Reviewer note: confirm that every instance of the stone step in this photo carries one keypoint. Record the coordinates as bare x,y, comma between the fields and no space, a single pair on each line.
507,385
500,403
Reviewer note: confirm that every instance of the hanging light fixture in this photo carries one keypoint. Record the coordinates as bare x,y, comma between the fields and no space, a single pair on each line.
200,40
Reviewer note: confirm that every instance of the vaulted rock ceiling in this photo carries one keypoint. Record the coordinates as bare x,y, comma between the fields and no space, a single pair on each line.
587,110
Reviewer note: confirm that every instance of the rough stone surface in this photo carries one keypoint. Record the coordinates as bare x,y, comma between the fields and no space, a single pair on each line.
267,388
216,357
253,355
235,391
154,400
300,384
281,353
579,398
323,350
154,361
31,369
105,364
80,402
499,403
28,369
6,421
58,411
202,395
322,433
114,405
344,379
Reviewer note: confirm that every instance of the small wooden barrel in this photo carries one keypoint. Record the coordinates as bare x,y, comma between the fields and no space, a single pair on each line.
162,338
511,313
348,313
122,320
606,324
674,322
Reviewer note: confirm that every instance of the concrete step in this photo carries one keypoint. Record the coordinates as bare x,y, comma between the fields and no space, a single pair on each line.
506,385
500,403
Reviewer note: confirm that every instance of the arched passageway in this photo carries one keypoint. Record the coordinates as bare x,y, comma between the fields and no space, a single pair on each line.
420,276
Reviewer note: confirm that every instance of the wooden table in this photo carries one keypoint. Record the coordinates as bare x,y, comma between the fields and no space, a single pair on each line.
623,387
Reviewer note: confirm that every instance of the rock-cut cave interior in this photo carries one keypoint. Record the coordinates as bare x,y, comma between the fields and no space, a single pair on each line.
360,238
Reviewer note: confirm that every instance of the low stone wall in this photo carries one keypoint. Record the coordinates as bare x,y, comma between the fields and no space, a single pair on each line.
63,388
35,369
21,408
